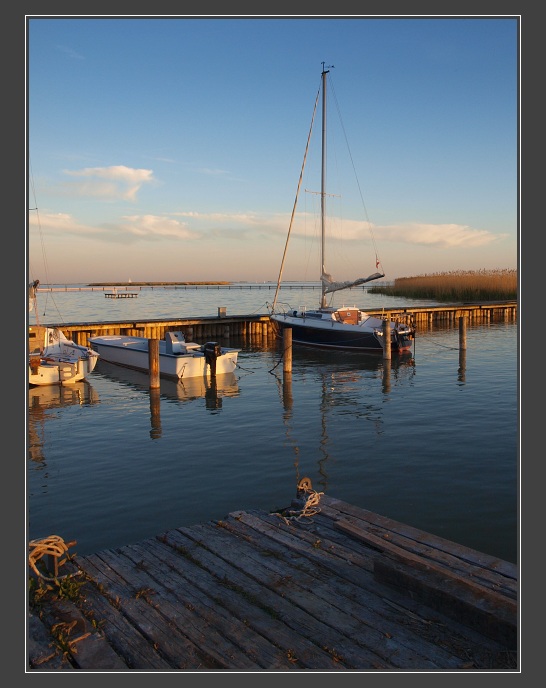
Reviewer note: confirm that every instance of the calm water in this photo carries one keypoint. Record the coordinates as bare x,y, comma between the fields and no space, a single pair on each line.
159,302
425,440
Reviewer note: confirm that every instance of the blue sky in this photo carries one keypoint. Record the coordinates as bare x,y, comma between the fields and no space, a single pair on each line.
165,149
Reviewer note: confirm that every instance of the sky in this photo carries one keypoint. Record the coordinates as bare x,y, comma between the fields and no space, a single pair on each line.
170,148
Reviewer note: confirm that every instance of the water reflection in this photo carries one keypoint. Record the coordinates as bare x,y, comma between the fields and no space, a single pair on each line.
105,483
182,391
337,388
44,399
461,377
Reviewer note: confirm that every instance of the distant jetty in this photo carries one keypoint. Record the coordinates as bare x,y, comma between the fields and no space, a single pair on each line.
150,284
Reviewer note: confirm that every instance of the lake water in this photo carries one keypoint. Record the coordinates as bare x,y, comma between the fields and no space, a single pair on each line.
430,440
188,301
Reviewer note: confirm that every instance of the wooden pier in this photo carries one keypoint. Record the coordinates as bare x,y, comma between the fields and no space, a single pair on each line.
224,327
321,586
121,295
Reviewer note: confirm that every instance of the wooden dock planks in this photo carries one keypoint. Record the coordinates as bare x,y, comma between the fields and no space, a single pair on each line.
345,590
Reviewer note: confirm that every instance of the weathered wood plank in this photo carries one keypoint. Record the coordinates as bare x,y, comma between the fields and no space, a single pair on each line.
336,509
504,608
181,618
443,630
123,636
314,591
43,653
388,540
241,605
454,596
353,595
87,644
269,589
407,556
222,629
416,625
172,645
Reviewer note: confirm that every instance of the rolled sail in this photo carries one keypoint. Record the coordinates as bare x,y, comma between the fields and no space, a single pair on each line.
330,285
32,287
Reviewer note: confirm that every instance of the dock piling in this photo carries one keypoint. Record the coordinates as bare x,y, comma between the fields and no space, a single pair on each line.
287,349
153,362
462,333
386,340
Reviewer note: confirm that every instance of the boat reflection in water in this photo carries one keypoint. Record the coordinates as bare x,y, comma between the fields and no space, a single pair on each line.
212,389
341,388
49,397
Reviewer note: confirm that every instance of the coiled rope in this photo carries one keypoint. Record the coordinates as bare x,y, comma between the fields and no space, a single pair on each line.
310,507
54,546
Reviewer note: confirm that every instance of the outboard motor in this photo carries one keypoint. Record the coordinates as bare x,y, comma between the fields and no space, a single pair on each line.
212,350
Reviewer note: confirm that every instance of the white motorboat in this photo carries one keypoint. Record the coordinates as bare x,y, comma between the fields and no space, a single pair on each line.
178,359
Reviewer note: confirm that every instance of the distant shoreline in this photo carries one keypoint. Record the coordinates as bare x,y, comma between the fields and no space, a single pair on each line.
149,284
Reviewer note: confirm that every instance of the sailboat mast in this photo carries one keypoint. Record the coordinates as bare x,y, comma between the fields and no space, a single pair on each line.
325,71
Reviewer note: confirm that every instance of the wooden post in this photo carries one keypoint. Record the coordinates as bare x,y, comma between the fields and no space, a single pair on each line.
386,340
287,351
462,333
153,362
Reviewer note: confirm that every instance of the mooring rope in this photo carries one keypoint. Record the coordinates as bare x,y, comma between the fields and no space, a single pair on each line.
53,545
310,508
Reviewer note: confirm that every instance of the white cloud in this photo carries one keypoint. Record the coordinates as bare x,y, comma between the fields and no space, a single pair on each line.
70,52
62,224
152,227
248,226
129,229
414,233
109,183
440,236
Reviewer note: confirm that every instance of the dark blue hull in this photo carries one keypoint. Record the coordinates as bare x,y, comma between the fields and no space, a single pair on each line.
347,341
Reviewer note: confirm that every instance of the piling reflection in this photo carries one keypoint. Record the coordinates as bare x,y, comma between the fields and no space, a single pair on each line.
47,398
155,413
386,377
337,388
461,372
287,397
211,389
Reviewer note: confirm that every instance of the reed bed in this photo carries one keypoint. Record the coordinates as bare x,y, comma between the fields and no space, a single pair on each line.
481,285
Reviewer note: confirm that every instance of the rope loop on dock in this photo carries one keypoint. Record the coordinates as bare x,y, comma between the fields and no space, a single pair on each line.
54,546
309,508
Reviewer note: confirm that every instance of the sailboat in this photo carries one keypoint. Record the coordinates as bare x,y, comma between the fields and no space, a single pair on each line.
53,359
346,327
